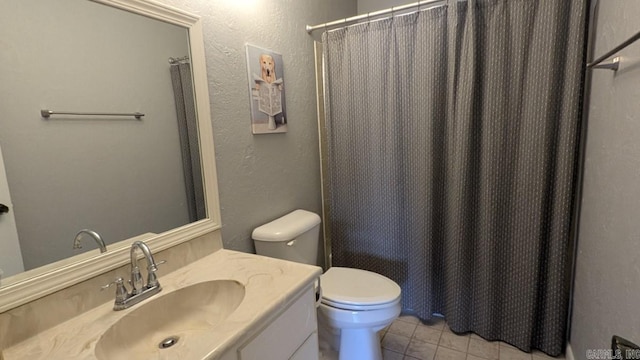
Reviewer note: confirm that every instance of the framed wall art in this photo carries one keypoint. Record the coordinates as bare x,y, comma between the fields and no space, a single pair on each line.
266,89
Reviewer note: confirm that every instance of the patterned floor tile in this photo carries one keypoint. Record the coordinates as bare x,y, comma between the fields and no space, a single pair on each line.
484,349
409,339
391,355
421,350
449,354
395,342
402,328
473,357
454,342
427,334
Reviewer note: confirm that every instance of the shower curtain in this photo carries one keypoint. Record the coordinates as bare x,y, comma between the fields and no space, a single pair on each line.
188,131
451,138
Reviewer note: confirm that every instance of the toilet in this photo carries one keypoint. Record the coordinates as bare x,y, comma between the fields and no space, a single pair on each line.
355,304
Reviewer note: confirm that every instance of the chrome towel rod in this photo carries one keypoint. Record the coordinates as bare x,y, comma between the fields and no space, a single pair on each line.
615,62
375,14
47,113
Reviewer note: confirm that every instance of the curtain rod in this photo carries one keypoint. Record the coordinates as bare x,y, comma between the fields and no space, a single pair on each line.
354,19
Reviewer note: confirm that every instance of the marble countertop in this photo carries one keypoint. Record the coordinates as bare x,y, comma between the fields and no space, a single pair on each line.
270,286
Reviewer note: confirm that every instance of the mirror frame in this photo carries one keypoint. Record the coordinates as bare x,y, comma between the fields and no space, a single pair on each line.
42,281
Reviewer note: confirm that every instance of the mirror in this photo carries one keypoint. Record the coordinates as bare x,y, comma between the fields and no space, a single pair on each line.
123,177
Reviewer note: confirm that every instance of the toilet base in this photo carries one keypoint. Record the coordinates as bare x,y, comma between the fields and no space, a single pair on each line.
359,344
349,341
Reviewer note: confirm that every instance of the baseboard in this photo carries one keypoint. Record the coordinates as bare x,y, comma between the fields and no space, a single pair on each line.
568,353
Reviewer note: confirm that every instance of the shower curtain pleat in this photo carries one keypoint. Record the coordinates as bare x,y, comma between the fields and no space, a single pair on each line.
189,144
451,140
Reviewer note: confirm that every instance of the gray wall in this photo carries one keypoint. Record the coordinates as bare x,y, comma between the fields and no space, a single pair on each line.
365,6
119,177
607,281
262,177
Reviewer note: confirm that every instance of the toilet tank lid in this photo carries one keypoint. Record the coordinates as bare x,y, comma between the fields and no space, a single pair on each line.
287,227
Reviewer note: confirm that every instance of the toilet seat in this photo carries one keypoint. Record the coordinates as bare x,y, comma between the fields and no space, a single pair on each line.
356,289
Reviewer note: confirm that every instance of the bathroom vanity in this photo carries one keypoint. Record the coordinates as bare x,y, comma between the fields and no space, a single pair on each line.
235,306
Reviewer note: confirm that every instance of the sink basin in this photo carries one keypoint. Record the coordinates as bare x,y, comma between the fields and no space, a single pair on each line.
166,323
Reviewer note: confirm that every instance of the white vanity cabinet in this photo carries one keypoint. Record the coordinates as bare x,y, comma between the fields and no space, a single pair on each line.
291,335
274,320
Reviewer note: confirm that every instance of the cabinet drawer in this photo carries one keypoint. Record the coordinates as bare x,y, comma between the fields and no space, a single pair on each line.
308,350
280,339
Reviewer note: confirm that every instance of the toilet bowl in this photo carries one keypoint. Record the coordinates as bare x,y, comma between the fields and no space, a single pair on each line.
355,304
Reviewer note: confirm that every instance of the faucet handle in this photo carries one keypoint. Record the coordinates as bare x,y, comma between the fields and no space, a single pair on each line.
121,290
117,281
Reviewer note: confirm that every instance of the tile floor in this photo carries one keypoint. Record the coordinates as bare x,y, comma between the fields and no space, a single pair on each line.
409,339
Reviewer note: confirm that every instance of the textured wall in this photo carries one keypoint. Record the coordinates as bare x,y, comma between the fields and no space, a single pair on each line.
262,177
365,6
607,282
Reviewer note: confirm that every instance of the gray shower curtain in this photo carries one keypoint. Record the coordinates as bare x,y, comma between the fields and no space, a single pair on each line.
188,131
451,139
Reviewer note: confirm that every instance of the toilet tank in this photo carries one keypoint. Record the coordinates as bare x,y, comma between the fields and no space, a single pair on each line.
293,237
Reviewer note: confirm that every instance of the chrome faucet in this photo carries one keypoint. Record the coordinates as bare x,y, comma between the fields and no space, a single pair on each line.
94,235
136,278
139,291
